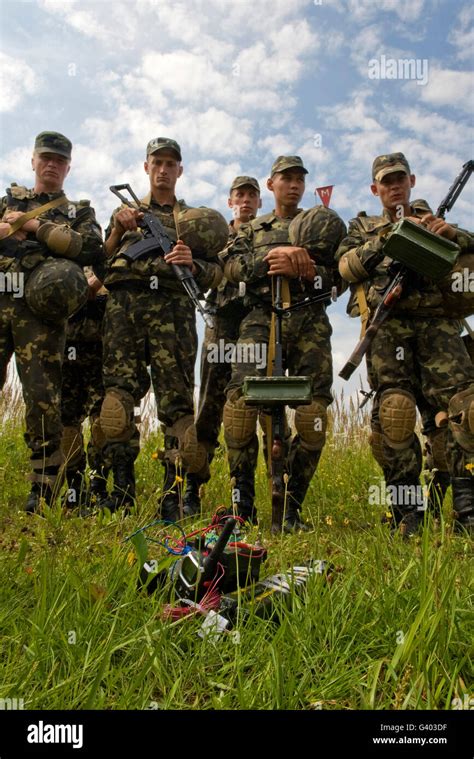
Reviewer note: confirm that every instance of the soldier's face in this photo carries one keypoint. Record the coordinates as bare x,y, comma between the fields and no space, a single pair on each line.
164,169
394,189
245,202
51,169
288,186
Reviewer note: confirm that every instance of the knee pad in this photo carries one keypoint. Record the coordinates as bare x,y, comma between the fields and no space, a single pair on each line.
191,450
72,446
311,423
376,445
116,416
436,450
240,423
397,414
461,418
97,434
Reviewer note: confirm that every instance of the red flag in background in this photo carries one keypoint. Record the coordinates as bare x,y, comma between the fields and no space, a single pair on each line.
325,194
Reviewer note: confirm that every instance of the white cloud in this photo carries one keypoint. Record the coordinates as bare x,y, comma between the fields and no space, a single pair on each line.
447,87
462,34
17,82
362,10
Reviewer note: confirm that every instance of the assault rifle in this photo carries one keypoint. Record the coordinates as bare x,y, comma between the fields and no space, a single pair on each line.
402,274
277,391
157,238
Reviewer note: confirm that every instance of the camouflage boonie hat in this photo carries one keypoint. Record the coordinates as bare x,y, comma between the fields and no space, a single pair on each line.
284,162
56,289
388,164
53,142
319,230
204,230
243,181
163,143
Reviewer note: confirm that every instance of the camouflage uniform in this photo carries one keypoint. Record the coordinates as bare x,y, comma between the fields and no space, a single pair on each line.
81,397
145,323
227,311
38,344
306,341
416,352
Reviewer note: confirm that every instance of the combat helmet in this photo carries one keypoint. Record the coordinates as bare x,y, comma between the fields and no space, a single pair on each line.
204,230
56,289
318,230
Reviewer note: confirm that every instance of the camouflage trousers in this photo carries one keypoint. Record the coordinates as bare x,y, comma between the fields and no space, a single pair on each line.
428,359
216,372
306,343
156,328
82,396
38,349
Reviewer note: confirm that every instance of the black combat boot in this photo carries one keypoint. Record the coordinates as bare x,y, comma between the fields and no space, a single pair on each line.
407,506
97,487
437,487
244,495
123,493
76,493
191,499
37,492
168,507
463,503
295,496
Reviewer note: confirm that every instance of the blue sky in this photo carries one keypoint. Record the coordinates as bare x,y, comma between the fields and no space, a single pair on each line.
237,84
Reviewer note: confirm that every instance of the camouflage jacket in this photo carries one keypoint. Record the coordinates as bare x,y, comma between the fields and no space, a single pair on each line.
225,298
243,258
121,269
78,216
362,250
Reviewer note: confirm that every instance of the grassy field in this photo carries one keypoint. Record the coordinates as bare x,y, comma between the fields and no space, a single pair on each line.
390,631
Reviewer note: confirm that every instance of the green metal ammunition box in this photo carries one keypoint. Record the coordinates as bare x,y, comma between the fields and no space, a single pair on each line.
274,391
424,252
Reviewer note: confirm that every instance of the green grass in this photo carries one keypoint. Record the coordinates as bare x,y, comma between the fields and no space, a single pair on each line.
391,630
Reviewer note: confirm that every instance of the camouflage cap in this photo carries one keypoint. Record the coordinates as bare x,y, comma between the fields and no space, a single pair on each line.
243,181
53,142
284,162
163,143
387,164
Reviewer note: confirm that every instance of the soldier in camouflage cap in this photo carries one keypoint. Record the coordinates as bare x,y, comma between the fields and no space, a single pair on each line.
416,357
228,311
149,319
260,252
48,237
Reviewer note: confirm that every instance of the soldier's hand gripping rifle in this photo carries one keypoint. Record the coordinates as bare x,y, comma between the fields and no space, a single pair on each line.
155,239
395,289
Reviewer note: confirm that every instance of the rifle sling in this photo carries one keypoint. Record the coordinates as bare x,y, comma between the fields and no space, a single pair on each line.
363,308
61,201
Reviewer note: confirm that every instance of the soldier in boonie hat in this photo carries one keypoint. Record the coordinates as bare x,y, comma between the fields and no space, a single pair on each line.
163,143
284,162
388,164
53,142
